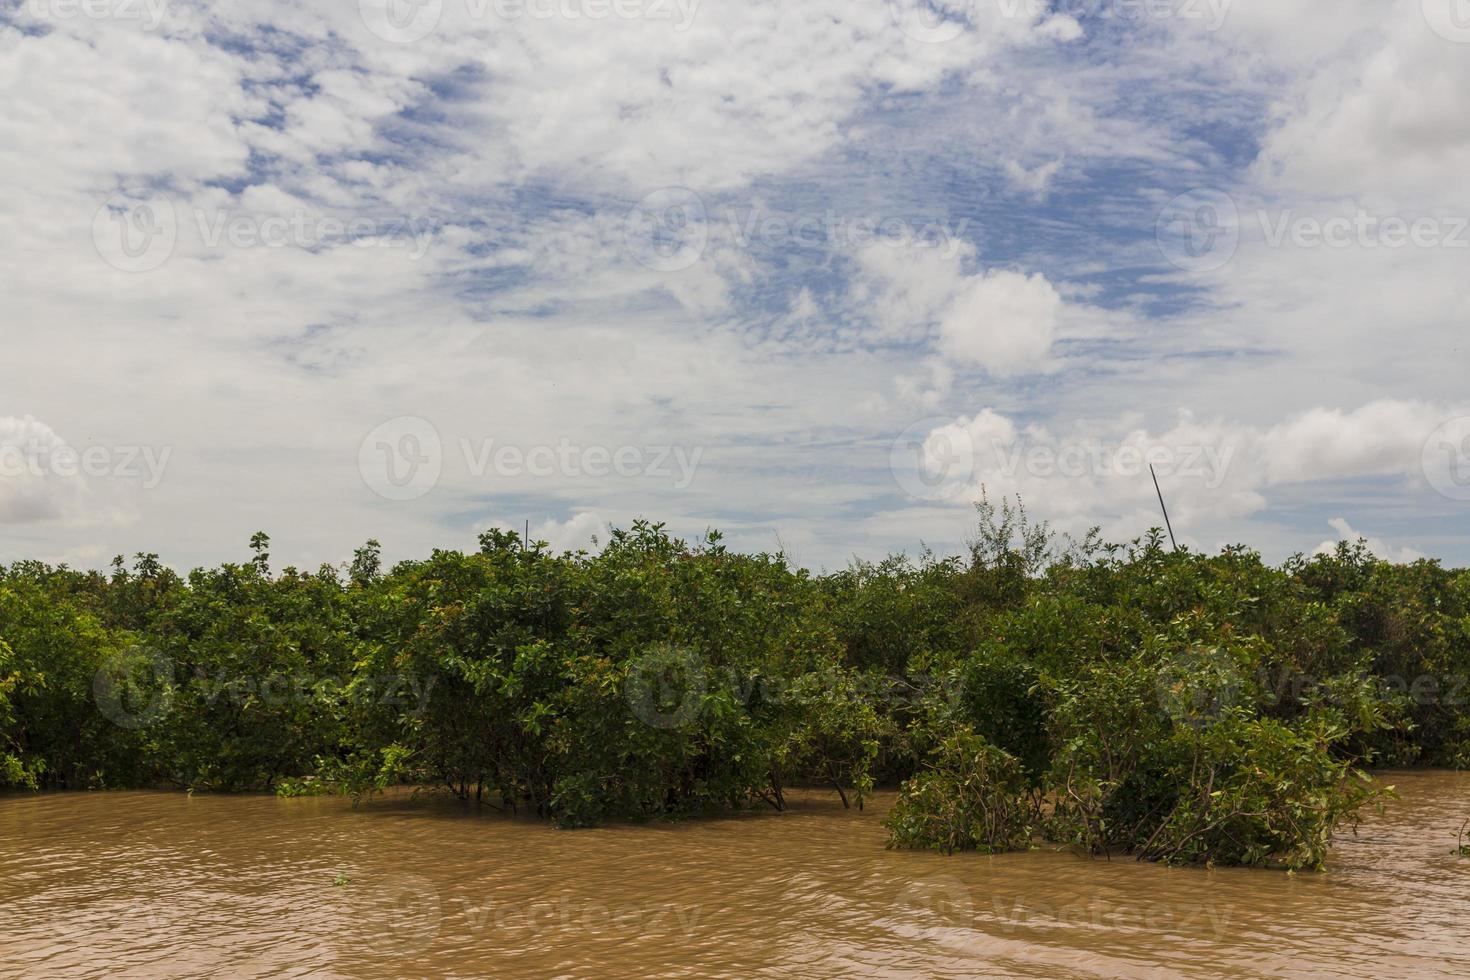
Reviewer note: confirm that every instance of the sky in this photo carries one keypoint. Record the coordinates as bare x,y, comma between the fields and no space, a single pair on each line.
813,273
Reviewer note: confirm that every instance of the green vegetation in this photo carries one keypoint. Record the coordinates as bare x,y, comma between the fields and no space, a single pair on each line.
1117,698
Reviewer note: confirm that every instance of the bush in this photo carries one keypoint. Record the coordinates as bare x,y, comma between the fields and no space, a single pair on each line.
971,797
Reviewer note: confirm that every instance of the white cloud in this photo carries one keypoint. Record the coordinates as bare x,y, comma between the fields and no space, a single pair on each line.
1376,546
1381,112
583,531
1036,180
1003,321
998,320
29,491
1212,472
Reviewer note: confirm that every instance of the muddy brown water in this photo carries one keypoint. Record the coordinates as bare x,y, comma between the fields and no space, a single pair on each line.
165,885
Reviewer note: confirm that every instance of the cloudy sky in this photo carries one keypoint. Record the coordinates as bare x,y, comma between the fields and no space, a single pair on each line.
808,271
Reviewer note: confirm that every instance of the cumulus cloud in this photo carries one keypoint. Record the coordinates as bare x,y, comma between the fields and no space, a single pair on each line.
584,531
1382,113
1376,546
1098,471
30,491
1003,321
996,319
45,481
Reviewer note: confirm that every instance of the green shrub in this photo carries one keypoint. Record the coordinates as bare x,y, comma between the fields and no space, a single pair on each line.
971,796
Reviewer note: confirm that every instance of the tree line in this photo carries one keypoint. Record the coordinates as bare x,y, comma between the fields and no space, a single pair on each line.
1129,698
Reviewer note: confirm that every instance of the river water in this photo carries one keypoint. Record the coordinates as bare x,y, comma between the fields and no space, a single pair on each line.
165,885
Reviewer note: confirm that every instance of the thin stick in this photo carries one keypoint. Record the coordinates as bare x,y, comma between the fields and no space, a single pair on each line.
1162,507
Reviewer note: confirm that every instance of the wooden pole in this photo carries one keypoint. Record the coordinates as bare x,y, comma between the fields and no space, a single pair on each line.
1162,507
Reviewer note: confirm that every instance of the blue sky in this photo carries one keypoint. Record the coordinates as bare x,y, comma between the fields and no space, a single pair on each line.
810,272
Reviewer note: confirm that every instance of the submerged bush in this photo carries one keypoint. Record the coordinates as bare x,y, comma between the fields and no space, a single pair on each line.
972,796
